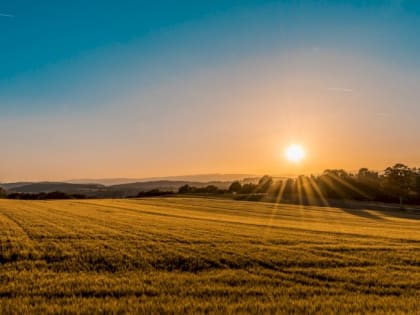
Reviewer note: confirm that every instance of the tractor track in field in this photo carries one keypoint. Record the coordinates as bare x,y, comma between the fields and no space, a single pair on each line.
21,227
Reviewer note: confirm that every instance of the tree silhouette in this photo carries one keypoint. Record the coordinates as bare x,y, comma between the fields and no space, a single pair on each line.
399,180
264,184
248,188
184,189
368,182
235,187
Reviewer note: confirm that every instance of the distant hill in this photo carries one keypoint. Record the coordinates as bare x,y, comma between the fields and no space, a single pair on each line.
9,186
104,181
102,191
54,186
204,178
165,185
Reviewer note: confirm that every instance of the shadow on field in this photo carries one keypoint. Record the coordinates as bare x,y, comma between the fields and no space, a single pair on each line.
362,209
403,214
362,213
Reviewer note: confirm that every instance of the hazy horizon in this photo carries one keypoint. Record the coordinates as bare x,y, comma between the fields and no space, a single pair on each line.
190,177
204,177
140,90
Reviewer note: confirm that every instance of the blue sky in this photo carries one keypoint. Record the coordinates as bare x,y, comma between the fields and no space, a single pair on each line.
109,68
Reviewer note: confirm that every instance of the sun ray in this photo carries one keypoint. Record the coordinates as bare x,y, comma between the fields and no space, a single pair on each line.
309,192
318,191
348,185
279,196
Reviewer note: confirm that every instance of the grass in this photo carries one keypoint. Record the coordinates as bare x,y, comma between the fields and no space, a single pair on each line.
197,255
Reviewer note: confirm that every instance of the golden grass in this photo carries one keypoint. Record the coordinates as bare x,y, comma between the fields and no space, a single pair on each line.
197,255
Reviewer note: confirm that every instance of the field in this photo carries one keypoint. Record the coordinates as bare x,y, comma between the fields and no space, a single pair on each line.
197,255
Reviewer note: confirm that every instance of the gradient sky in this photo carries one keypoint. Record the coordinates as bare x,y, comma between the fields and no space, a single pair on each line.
95,89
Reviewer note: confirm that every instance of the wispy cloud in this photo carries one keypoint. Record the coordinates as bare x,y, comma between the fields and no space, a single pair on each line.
7,15
340,89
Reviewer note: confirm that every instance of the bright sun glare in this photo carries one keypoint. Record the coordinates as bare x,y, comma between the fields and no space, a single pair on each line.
295,153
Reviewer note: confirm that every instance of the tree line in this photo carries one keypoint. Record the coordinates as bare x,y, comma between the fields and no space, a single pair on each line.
54,195
396,184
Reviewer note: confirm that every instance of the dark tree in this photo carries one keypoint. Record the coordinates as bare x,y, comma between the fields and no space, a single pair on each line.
211,189
264,184
399,181
368,182
184,189
235,187
365,173
248,188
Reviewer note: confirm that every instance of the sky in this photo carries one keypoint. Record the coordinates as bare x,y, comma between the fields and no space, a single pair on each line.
102,89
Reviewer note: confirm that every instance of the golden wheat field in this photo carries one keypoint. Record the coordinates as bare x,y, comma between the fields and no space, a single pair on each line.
198,255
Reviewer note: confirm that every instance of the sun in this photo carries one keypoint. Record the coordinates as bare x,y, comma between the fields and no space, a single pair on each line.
295,153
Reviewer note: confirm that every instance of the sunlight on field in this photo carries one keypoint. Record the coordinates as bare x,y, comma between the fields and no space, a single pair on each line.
189,255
